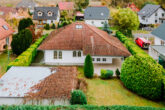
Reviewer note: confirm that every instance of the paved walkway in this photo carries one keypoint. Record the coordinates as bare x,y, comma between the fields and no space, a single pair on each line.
116,64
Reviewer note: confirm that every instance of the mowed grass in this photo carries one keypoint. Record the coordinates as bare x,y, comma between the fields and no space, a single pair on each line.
4,62
112,92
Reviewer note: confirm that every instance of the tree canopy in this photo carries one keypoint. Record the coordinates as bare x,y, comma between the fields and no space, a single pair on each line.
24,23
81,4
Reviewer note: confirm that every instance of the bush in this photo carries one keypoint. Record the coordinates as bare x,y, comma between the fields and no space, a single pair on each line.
78,97
143,75
21,41
88,67
117,73
106,74
47,27
27,56
24,23
53,26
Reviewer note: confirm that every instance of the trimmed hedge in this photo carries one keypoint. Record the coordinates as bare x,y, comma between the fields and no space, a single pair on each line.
106,74
26,58
78,97
78,107
143,76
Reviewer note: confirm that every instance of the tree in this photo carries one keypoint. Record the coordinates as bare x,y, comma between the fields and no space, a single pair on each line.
148,2
88,67
47,27
21,41
53,26
162,2
106,28
81,4
126,20
24,23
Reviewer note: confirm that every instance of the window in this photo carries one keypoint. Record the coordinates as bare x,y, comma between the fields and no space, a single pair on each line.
162,42
79,53
98,59
74,53
60,55
55,54
5,27
50,13
162,14
104,59
78,26
39,13
93,59
143,18
92,22
156,21
156,14
102,22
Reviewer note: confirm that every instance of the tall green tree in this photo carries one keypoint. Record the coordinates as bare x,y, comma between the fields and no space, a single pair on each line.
88,67
126,20
24,23
21,41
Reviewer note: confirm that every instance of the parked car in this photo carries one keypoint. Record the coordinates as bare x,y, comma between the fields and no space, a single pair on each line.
143,43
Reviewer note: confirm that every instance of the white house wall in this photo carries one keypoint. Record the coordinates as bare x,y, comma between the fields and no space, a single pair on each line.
96,23
154,54
152,18
21,101
157,41
68,59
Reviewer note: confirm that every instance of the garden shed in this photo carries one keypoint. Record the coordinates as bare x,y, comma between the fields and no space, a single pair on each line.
37,85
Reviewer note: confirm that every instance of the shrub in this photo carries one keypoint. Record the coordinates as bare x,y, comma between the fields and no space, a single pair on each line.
143,75
21,41
24,23
117,73
53,26
47,27
88,67
78,97
27,56
106,74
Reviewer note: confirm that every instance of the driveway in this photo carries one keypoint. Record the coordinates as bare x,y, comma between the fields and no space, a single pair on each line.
116,64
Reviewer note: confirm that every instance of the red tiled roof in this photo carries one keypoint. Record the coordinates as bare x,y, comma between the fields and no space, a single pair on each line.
89,39
66,5
4,33
7,10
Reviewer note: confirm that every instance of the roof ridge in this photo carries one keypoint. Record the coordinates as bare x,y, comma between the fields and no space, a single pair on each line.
104,38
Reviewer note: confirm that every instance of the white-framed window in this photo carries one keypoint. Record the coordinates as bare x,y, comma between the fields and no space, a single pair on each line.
78,26
40,13
93,59
98,59
57,54
50,13
156,21
92,22
60,54
156,14
104,59
162,14
74,54
79,53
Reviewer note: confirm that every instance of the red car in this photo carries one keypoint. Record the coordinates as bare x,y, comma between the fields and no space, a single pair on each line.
143,43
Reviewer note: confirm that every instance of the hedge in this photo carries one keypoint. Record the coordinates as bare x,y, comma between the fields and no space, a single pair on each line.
26,58
78,107
106,74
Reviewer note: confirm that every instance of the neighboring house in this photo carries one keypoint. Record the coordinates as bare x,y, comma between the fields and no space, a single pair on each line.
159,34
46,15
66,6
79,15
5,35
27,4
51,86
5,11
151,14
133,7
96,16
70,45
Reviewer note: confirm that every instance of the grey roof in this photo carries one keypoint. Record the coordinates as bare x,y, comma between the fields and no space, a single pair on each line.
45,10
96,13
160,32
26,4
148,10
160,49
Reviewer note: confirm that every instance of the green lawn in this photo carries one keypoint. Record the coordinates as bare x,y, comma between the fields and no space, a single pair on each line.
4,62
112,92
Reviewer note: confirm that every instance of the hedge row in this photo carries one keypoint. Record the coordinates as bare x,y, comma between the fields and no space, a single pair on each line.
77,107
131,46
27,56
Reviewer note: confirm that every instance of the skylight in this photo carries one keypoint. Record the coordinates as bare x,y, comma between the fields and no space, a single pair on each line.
78,26
5,27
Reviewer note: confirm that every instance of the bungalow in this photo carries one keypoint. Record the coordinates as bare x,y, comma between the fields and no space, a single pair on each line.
66,6
70,45
96,16
38,85
5,35
151,14
46,15
27,4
